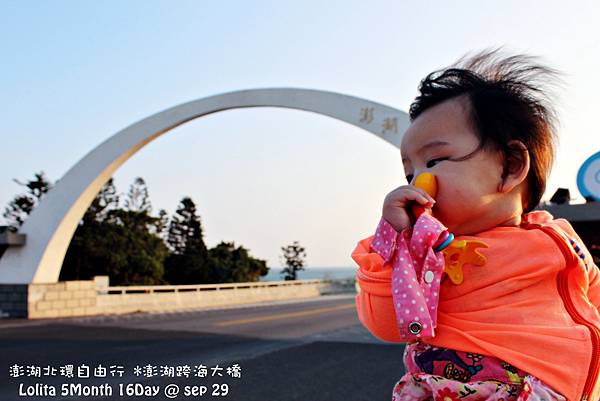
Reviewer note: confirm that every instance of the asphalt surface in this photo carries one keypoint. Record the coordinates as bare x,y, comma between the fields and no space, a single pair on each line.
302,350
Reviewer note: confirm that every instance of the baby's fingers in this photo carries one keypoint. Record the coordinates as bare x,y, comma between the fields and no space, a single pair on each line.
424,194
407,194
424,201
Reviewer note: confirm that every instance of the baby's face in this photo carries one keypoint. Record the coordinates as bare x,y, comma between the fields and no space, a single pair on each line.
468,200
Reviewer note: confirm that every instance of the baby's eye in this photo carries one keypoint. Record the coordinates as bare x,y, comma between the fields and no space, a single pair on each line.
433,162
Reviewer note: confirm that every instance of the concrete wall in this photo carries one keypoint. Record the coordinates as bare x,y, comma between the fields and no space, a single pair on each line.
94,297
13,300
68,298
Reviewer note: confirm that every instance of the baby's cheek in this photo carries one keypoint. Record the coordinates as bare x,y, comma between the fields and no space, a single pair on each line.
451,206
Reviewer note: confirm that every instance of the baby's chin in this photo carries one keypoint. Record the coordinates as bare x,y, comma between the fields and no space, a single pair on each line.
468,227
463,221
464,231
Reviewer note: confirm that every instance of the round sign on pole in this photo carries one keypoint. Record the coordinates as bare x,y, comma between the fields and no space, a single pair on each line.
588,178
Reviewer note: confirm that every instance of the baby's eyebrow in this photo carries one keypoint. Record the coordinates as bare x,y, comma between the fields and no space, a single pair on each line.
429,145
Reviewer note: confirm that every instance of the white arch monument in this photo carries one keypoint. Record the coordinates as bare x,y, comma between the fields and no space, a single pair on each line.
51,225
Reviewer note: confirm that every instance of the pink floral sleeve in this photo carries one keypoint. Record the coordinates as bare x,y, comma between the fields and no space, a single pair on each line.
384,242
416,273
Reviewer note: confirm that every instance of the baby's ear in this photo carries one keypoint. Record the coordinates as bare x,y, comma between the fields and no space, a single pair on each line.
516,166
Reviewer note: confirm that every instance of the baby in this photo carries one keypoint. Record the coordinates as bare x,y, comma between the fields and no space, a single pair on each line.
518,319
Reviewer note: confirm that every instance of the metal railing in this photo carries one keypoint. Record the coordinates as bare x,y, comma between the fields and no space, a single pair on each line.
152,289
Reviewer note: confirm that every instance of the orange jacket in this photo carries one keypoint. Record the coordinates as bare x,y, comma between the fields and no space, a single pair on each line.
533,304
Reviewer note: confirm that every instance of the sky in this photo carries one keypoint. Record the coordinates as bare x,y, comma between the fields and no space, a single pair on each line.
74,73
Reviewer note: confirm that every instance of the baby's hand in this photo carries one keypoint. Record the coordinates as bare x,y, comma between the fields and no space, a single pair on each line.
396,206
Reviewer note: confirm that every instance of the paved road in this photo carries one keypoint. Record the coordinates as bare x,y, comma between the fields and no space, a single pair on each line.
309,350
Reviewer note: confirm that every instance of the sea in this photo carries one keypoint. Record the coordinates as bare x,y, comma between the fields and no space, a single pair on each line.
312,273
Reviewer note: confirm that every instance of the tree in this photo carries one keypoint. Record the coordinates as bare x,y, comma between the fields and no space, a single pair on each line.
185,229
191,262
234,265
162,223
127,254
188,261
22,205
293,258
120,243
137,209
144,253
107,199
138,199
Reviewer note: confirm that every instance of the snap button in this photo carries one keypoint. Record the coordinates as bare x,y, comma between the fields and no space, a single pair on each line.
429,276
415,328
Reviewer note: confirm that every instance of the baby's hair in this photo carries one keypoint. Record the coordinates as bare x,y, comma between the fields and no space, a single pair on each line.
508,99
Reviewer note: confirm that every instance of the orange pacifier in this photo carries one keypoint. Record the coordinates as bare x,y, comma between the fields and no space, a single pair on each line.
428,183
